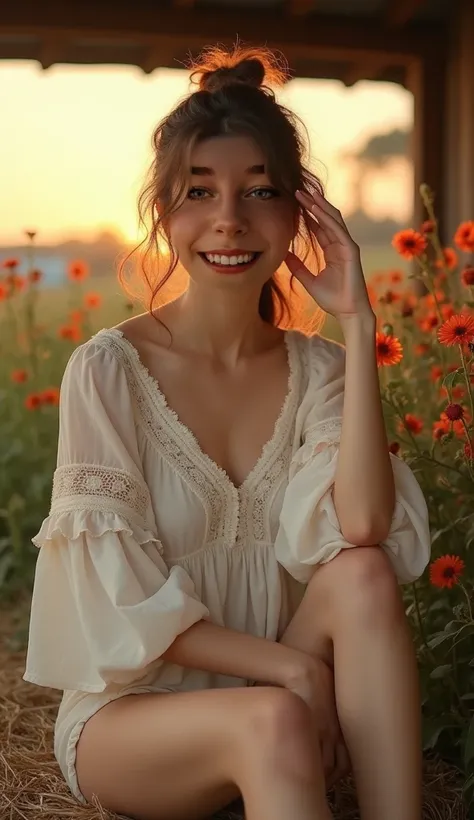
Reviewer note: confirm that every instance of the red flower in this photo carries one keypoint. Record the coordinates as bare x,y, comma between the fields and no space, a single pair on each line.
436,372
429,322
421,349
428,227
33,401
78,271
445,571
467,276
440,428
35,276
394,448
19,376
50,395
388,349
459,329
411,423
447,311
71,332
464,236
409,243
454,412
449,261
11,264
4,292
92,300
396,276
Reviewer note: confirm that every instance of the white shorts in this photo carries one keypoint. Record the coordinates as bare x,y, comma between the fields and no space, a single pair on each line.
75,710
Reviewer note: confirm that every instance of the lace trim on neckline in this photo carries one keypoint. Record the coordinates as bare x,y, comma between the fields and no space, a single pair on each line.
232,513
184,432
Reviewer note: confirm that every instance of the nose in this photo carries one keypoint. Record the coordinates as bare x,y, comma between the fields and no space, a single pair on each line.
229,219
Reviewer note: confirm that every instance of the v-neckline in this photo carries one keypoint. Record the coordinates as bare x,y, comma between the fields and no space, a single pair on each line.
186,433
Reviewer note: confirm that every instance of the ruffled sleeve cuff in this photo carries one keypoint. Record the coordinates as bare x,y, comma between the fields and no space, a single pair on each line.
310,534
105,607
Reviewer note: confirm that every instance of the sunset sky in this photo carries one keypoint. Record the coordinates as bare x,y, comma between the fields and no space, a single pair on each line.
75,143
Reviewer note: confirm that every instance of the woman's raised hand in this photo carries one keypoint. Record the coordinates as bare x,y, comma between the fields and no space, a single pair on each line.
339,289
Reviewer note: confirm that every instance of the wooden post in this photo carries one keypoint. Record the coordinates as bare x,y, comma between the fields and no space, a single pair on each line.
426,79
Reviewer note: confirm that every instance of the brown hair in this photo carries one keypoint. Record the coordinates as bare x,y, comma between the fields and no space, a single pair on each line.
234,96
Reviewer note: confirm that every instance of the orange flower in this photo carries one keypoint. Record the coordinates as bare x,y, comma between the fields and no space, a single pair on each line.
78,271
411,423
429,226
19,376
33,401
35,276
396,276
50,395
409,243
389,297
71,332
11,264
459,329
449,261
447,311
436,372
76,316
388,349
421,349
457,392
92,300
19,282
429,322
431,298
464,236
467,276
4,292
445,571
440,428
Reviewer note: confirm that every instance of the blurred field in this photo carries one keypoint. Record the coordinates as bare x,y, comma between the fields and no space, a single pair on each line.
54,304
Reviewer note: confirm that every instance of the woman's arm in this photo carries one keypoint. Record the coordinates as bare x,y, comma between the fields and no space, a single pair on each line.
223,651
364,491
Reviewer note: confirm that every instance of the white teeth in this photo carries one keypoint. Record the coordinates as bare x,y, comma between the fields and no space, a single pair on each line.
220,259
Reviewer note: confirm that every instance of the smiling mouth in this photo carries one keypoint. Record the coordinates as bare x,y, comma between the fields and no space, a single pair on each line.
233,260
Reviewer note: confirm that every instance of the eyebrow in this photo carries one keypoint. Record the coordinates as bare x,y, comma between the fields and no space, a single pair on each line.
203,170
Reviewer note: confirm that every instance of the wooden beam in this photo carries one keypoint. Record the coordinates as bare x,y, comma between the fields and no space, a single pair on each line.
300,7
52,50
191,29
362,71
400,12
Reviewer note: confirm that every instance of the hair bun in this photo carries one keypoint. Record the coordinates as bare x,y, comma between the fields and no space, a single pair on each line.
254,67
248,72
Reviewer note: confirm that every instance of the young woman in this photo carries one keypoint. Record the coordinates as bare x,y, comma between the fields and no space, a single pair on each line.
225,509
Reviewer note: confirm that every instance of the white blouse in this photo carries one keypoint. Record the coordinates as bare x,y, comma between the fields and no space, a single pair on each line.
147,535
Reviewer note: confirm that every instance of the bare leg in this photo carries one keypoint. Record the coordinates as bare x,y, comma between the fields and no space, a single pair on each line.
183,756
353,604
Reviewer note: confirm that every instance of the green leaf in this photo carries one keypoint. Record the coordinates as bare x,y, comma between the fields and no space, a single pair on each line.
432,728
451,378
441,671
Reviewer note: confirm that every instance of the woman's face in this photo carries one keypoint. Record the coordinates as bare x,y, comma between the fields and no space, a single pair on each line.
233,222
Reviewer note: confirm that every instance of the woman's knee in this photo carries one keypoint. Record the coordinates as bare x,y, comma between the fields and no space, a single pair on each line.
279,731
361,583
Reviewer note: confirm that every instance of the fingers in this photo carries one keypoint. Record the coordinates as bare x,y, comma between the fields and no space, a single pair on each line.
328,216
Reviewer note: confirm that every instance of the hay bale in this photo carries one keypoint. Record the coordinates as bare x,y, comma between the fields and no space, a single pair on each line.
32,785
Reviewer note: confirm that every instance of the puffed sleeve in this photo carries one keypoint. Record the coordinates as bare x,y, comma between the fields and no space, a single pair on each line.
309,532
105,606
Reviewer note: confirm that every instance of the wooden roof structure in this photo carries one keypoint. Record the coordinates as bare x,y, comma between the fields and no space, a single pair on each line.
341,39
427,46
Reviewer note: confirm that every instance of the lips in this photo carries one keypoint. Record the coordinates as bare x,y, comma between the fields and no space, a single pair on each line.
230,261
